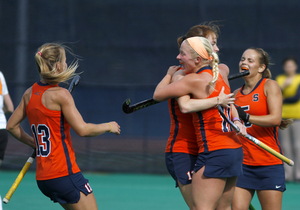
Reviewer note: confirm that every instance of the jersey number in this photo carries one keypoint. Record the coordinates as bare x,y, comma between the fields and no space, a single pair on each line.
225,126
43,147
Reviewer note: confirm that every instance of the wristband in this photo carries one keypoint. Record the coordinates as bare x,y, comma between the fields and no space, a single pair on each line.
236,119
110,127
218,99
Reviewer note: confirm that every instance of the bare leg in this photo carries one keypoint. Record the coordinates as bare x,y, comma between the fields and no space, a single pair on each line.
186,192
242,198
287,147
206,191
227,196
270,199
86,202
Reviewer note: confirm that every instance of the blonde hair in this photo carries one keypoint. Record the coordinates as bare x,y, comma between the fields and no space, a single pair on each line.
212,59
46,59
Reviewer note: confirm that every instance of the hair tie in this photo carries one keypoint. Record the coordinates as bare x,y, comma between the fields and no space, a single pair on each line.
40,53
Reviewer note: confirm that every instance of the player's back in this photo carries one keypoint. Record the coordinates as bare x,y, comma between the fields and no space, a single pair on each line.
55,154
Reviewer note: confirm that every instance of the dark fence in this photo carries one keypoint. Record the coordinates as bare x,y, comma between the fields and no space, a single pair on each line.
126,48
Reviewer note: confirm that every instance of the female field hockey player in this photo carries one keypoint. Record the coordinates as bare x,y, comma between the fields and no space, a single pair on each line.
6,107
259,103
51,112
182,149
220,154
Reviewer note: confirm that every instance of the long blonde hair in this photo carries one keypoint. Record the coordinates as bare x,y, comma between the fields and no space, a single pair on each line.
46,59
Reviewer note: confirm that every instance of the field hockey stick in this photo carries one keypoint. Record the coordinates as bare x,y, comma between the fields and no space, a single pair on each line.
30,160
256,141
149,102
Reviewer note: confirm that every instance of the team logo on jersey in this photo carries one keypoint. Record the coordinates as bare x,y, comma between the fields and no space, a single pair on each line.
37,93
255,97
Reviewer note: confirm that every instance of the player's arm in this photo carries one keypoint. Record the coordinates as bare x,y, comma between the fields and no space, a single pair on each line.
74,118
188,104
8,106
14,123
165,89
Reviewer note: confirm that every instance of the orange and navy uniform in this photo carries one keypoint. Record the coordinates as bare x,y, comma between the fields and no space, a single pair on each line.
255,103
182,136
55,155
212,131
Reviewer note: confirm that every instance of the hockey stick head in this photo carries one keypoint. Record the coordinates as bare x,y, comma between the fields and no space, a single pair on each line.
126,108
238,75
74,82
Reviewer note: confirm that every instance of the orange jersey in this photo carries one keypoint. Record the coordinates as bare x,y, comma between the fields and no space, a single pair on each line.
255,103
212,131
55,156
182,133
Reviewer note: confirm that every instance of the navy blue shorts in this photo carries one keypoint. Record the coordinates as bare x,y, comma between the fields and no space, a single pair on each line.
65,189
221,163
262,178
3,142
180,166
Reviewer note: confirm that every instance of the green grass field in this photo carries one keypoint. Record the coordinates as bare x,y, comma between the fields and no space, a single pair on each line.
119,191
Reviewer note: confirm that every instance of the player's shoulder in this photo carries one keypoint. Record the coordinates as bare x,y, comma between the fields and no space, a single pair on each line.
271,83
272,86
236,91
223,67
224,70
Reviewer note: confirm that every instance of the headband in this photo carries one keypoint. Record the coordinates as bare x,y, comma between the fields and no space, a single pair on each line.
197,45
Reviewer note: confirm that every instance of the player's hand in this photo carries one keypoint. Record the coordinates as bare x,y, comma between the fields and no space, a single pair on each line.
225,99
172,70
243,129
115,128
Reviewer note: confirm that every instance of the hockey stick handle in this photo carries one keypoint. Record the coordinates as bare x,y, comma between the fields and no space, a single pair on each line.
30,160
18,180
256,141
127,108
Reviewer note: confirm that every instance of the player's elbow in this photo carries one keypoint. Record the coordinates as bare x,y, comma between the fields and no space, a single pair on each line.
158,97
277,122
82,133
9,128
184,108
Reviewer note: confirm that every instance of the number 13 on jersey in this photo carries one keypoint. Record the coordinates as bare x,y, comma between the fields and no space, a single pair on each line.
41,135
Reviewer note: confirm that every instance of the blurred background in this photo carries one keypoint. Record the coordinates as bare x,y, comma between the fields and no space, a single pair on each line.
126,47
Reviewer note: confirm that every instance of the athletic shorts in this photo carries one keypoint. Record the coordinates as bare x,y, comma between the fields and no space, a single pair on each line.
65,189
3,142
262,178
221,163
180,166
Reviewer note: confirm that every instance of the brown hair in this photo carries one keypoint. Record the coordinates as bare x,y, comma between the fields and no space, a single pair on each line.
203,30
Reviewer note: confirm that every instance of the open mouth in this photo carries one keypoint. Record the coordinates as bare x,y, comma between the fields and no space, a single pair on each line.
244,68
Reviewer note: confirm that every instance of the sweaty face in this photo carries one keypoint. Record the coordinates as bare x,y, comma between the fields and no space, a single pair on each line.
212,38
250,62
185,58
